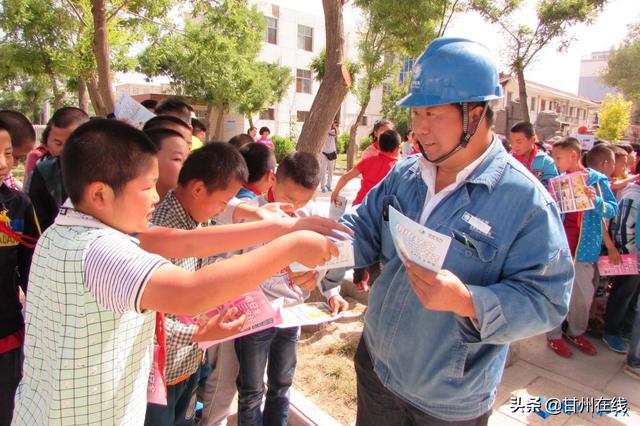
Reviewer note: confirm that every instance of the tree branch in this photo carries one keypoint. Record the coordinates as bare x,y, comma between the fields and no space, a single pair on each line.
77,13
453,11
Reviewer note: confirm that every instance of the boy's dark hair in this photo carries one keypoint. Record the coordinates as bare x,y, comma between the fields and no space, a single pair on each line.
149,103
377,125
171,106
260,160
301,167
111,116
597,155
251,128
216,165
635,146
157,136
198,125
20,128
63,118
389,141
618,151
159,122
238,141
569,143
5,127
263,129
107,151
628,148
524,127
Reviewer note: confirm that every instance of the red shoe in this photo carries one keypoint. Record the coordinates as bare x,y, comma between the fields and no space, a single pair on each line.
582,343
559,347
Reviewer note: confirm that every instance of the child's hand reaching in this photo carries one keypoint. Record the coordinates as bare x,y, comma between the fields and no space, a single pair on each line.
306,280
312,249
614,255
338,304
590,192
322,226
334,197
221,326
274,211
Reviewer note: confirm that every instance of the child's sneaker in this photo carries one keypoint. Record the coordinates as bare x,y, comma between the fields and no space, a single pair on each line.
615,343
582,343
559,347
631,371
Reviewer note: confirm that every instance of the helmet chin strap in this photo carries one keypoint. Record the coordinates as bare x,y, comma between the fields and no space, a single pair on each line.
464,139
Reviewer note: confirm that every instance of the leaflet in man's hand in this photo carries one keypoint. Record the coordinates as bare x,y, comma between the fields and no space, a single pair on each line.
133,112
418,243
255,305
569,191
344,259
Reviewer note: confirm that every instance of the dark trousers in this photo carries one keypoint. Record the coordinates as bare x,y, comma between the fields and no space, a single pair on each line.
10,376
378,406
278,346
620,309
181,405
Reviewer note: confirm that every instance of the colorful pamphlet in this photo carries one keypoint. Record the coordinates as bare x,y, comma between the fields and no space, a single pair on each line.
133,112
628,266
337,209
569,191
307,314
418,243
344,259
255,305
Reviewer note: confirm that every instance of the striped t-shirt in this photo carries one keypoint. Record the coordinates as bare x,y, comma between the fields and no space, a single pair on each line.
88,347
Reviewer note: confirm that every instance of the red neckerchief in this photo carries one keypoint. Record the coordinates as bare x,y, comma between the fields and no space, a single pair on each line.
272,200
252,189
161,338
528,161
25,240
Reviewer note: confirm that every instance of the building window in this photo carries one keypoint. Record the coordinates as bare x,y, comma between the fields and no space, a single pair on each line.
364,121
571,111
303,81
271,33
301,116
305,38
268,114
543,105
533,104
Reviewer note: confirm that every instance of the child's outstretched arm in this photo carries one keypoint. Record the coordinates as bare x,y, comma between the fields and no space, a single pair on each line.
212,240
173,290
344,179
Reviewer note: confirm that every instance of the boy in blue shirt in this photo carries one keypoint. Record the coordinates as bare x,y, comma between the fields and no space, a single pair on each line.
525,150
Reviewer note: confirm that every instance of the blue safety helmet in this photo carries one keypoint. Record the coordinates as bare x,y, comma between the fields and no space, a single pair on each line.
453,70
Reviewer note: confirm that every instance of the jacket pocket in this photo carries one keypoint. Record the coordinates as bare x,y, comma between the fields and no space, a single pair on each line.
472,247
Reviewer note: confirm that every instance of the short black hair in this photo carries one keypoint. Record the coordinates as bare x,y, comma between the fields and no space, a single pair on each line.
301,167
4,126
149,103
597,155
619,151
251,128
198,125
260,160
175,106
107,151
157,136
238,141
159,121
216,165
63,118
569,143
20,128
627,147
389,141
263,129
524,127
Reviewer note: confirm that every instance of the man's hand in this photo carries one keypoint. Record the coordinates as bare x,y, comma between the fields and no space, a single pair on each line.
221,326
322,226
306,280
441,291
274,211
338,304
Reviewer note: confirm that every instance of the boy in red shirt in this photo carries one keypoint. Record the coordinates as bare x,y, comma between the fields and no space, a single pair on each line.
373,170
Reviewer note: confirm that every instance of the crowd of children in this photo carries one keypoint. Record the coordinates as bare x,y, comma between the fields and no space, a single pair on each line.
135,227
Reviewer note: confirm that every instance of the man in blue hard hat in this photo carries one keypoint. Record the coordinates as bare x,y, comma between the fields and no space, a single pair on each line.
434,344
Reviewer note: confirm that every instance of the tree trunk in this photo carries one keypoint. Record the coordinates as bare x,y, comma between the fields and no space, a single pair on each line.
334,85
250,117
211,122
353,145
217,134
522,93
96,99
101,53
83,95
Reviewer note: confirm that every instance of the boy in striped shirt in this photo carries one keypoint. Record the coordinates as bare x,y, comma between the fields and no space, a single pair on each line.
94,288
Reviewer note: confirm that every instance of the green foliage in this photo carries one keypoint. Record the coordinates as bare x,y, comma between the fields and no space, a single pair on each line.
318,63
282,146
262,84
614,117
342,142
393,92
623,71
365,142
